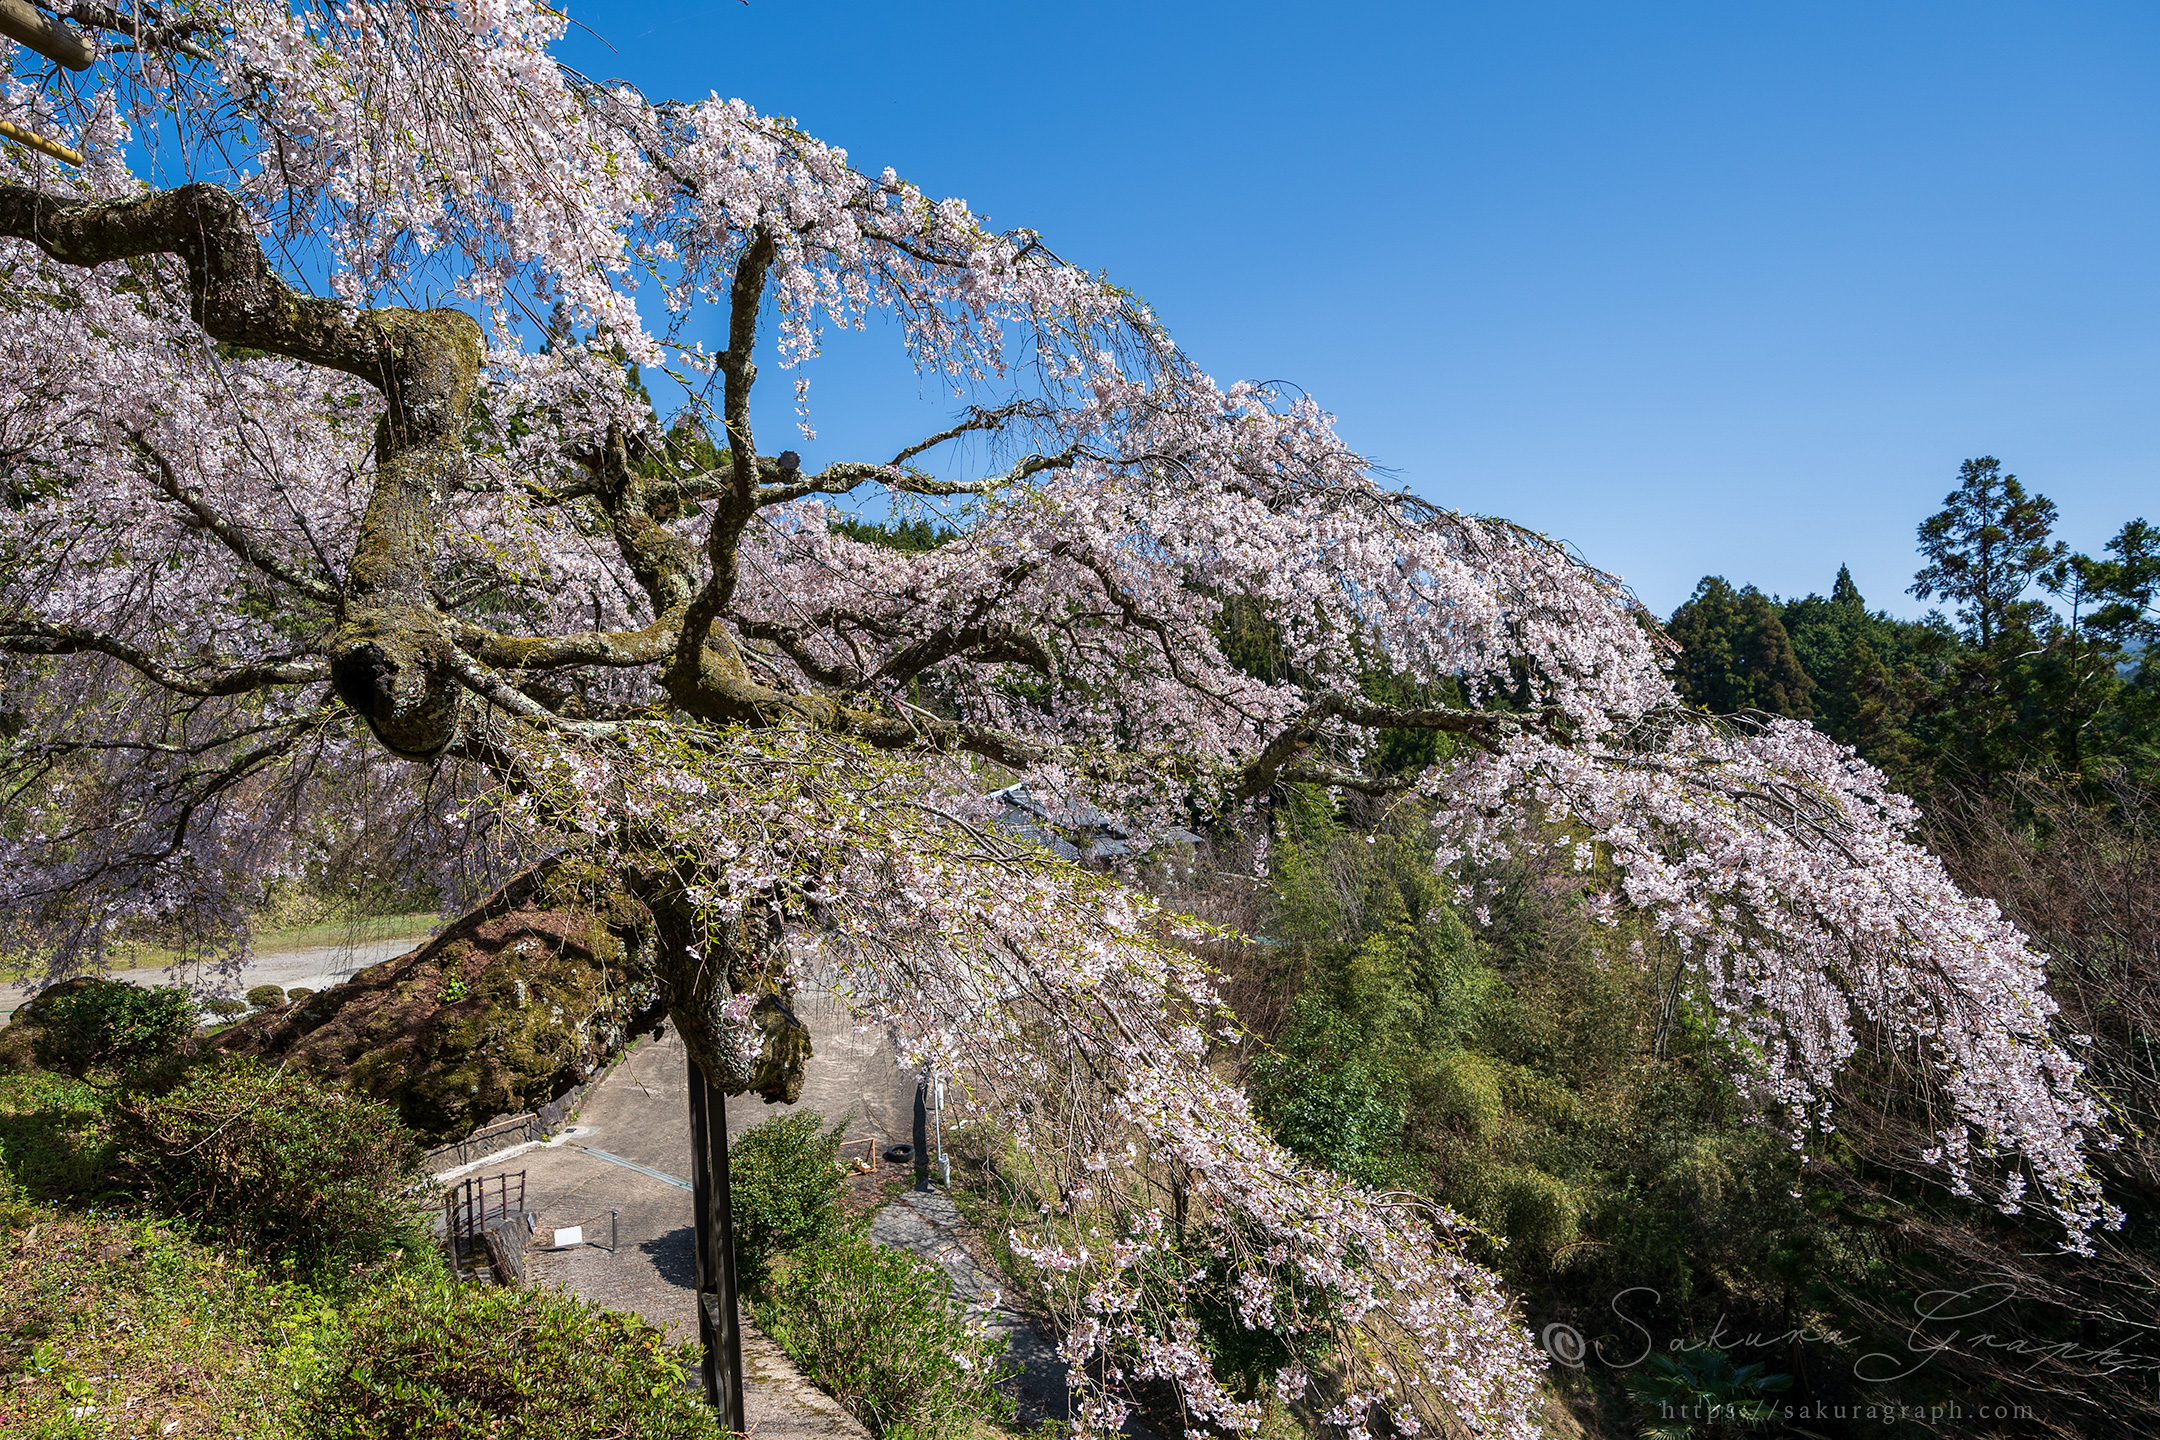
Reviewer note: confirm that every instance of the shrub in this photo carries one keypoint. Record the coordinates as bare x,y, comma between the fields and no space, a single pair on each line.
1466,1092
1331,1099
296,995
428,1356
885,1335
93,1023
1533,1209
786,1181
273,1161
266,997
226,1010
1704,1396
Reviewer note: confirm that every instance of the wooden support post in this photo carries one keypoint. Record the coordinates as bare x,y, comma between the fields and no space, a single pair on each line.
718,1322
49,35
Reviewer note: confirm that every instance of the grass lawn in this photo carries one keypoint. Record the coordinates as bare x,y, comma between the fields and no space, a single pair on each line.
299,937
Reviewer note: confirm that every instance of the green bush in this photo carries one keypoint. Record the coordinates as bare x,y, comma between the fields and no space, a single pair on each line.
1466,1092
110,1325
428,1356
273,1161
94,1023
1331,1100
885,1335
786,1181
266,997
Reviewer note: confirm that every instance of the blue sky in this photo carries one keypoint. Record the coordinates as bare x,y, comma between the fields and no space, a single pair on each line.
1702,288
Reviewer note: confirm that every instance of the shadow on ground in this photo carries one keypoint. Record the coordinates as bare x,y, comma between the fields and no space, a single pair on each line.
673,1257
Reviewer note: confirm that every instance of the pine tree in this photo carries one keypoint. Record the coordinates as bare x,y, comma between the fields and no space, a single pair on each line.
1986,547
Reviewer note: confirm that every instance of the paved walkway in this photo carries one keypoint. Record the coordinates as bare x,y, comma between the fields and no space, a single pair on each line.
928,1224
629,1152
317,967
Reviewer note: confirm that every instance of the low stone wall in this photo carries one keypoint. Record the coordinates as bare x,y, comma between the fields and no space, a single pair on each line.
511,1130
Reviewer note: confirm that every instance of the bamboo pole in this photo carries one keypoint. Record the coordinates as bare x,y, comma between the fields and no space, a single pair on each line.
10,130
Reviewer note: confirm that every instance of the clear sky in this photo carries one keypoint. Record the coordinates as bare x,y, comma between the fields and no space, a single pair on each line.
1704,288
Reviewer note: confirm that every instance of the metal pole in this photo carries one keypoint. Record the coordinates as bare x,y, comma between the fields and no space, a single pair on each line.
922,1132
937,1123
709,1195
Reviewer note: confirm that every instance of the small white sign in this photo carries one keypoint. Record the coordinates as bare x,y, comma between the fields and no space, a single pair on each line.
574,1235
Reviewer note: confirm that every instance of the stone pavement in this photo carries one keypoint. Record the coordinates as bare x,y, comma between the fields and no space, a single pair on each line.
628,1151
927,1223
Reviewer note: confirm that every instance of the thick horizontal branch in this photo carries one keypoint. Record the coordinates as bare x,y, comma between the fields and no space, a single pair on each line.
48,35
1344,779
232,291
614,648
981,641
387,657
1487,728
172,35
35,637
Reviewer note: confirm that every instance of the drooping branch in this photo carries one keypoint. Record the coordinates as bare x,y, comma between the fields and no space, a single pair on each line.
224,529
1274,763
38,637
390,658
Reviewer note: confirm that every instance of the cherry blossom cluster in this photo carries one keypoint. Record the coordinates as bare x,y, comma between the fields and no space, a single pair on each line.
1073,1012
176,550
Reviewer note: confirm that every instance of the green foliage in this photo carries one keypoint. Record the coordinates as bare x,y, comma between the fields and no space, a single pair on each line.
273,1161
1331,1099
102,1313
2016,686
786,1182
1702,1395
1735,653
1986,547
1872,674
423,1355
1466,1093
1391,984
1539,1077
885,1335
51,1135
94,1023
1536,1212
266,997
913,536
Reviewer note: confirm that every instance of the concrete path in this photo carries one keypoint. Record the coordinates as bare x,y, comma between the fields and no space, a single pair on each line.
317,967
628,1151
